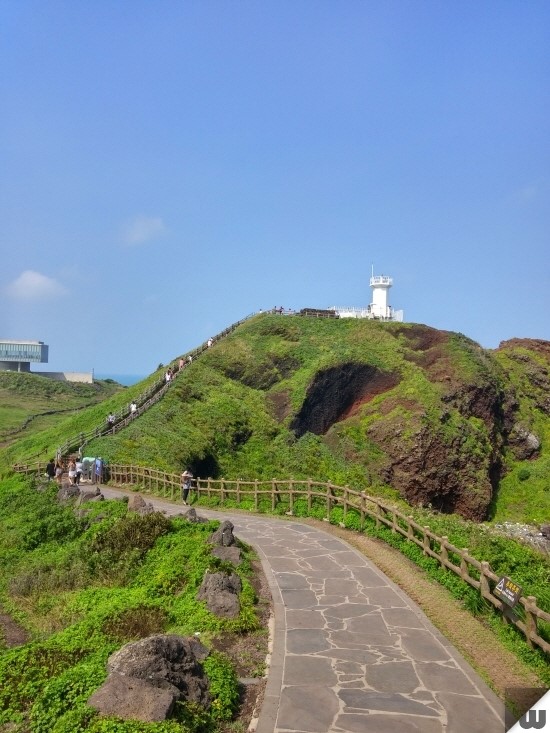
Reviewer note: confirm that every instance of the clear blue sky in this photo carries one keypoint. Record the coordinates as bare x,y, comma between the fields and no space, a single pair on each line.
168,167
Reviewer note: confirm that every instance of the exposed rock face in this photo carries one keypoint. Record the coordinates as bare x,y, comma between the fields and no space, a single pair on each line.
335,392
223,535
148,676
443,446
427,470
221,593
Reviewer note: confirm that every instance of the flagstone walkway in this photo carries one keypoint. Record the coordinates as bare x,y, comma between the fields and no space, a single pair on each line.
351,652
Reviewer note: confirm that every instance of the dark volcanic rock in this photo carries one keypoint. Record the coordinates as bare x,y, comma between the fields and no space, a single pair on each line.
221,593
68,492
334,392
148,676
229,554
131,698
223,535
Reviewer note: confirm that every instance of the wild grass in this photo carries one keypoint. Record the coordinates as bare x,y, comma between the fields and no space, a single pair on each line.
84,585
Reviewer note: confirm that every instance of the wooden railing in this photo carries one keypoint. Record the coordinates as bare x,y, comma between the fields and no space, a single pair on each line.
270,495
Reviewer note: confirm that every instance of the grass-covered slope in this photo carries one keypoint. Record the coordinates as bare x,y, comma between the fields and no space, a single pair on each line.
29,402
83,584
398,409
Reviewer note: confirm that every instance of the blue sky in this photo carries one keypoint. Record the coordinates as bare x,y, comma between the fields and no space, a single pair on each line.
167,168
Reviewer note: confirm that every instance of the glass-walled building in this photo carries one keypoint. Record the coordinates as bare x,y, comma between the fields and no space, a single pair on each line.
16,356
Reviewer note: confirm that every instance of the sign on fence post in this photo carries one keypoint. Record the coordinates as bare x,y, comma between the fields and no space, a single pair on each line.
508,591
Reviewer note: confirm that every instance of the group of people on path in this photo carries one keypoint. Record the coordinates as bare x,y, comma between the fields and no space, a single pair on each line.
56,468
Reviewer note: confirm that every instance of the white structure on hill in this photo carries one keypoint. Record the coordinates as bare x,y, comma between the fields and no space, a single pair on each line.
379,307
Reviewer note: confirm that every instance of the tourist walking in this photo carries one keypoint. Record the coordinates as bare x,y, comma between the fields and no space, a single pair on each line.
186,478
78,472
50,469
72,472
59,472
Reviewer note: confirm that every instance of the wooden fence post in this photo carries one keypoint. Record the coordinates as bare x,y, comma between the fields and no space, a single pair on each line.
410,533
329,500
256,494
273,493
530,620
290,497
464,569
443,554
222,490
238,491
426,541
378,515
484,587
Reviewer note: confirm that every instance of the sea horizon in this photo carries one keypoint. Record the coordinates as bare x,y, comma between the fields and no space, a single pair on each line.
125,379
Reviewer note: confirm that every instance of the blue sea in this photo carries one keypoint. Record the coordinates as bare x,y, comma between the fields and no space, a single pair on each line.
126,379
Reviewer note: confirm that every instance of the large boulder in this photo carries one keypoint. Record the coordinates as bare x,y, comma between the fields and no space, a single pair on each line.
223,535
138,505
228,554
131,698
86,495
192,516
524,444
221,593
68,492
148,676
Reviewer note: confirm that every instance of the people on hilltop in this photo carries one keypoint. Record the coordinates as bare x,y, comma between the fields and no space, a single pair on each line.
210,342
189,358
181,363
50,469
133,408
168,375
186,478
110,420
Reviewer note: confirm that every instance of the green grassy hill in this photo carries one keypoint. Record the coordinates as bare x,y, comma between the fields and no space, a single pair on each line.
30,403
398,409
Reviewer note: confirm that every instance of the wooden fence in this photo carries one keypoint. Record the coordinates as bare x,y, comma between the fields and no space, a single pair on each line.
269,495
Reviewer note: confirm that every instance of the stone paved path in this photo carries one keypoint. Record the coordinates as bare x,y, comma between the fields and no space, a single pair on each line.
351,652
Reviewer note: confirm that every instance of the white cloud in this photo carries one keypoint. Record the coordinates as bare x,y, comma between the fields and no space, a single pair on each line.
32,285
142,229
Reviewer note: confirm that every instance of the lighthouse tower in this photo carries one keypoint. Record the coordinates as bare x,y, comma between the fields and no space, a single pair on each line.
379,307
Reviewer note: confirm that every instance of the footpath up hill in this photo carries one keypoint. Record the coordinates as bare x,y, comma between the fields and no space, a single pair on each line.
400,409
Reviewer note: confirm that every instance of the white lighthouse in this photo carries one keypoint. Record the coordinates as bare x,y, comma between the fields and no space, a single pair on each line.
379,307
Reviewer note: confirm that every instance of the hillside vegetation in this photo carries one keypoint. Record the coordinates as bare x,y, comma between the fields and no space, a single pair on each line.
29,402
83,583
401,410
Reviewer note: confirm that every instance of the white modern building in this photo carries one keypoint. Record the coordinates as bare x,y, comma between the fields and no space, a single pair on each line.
16,356
379,308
